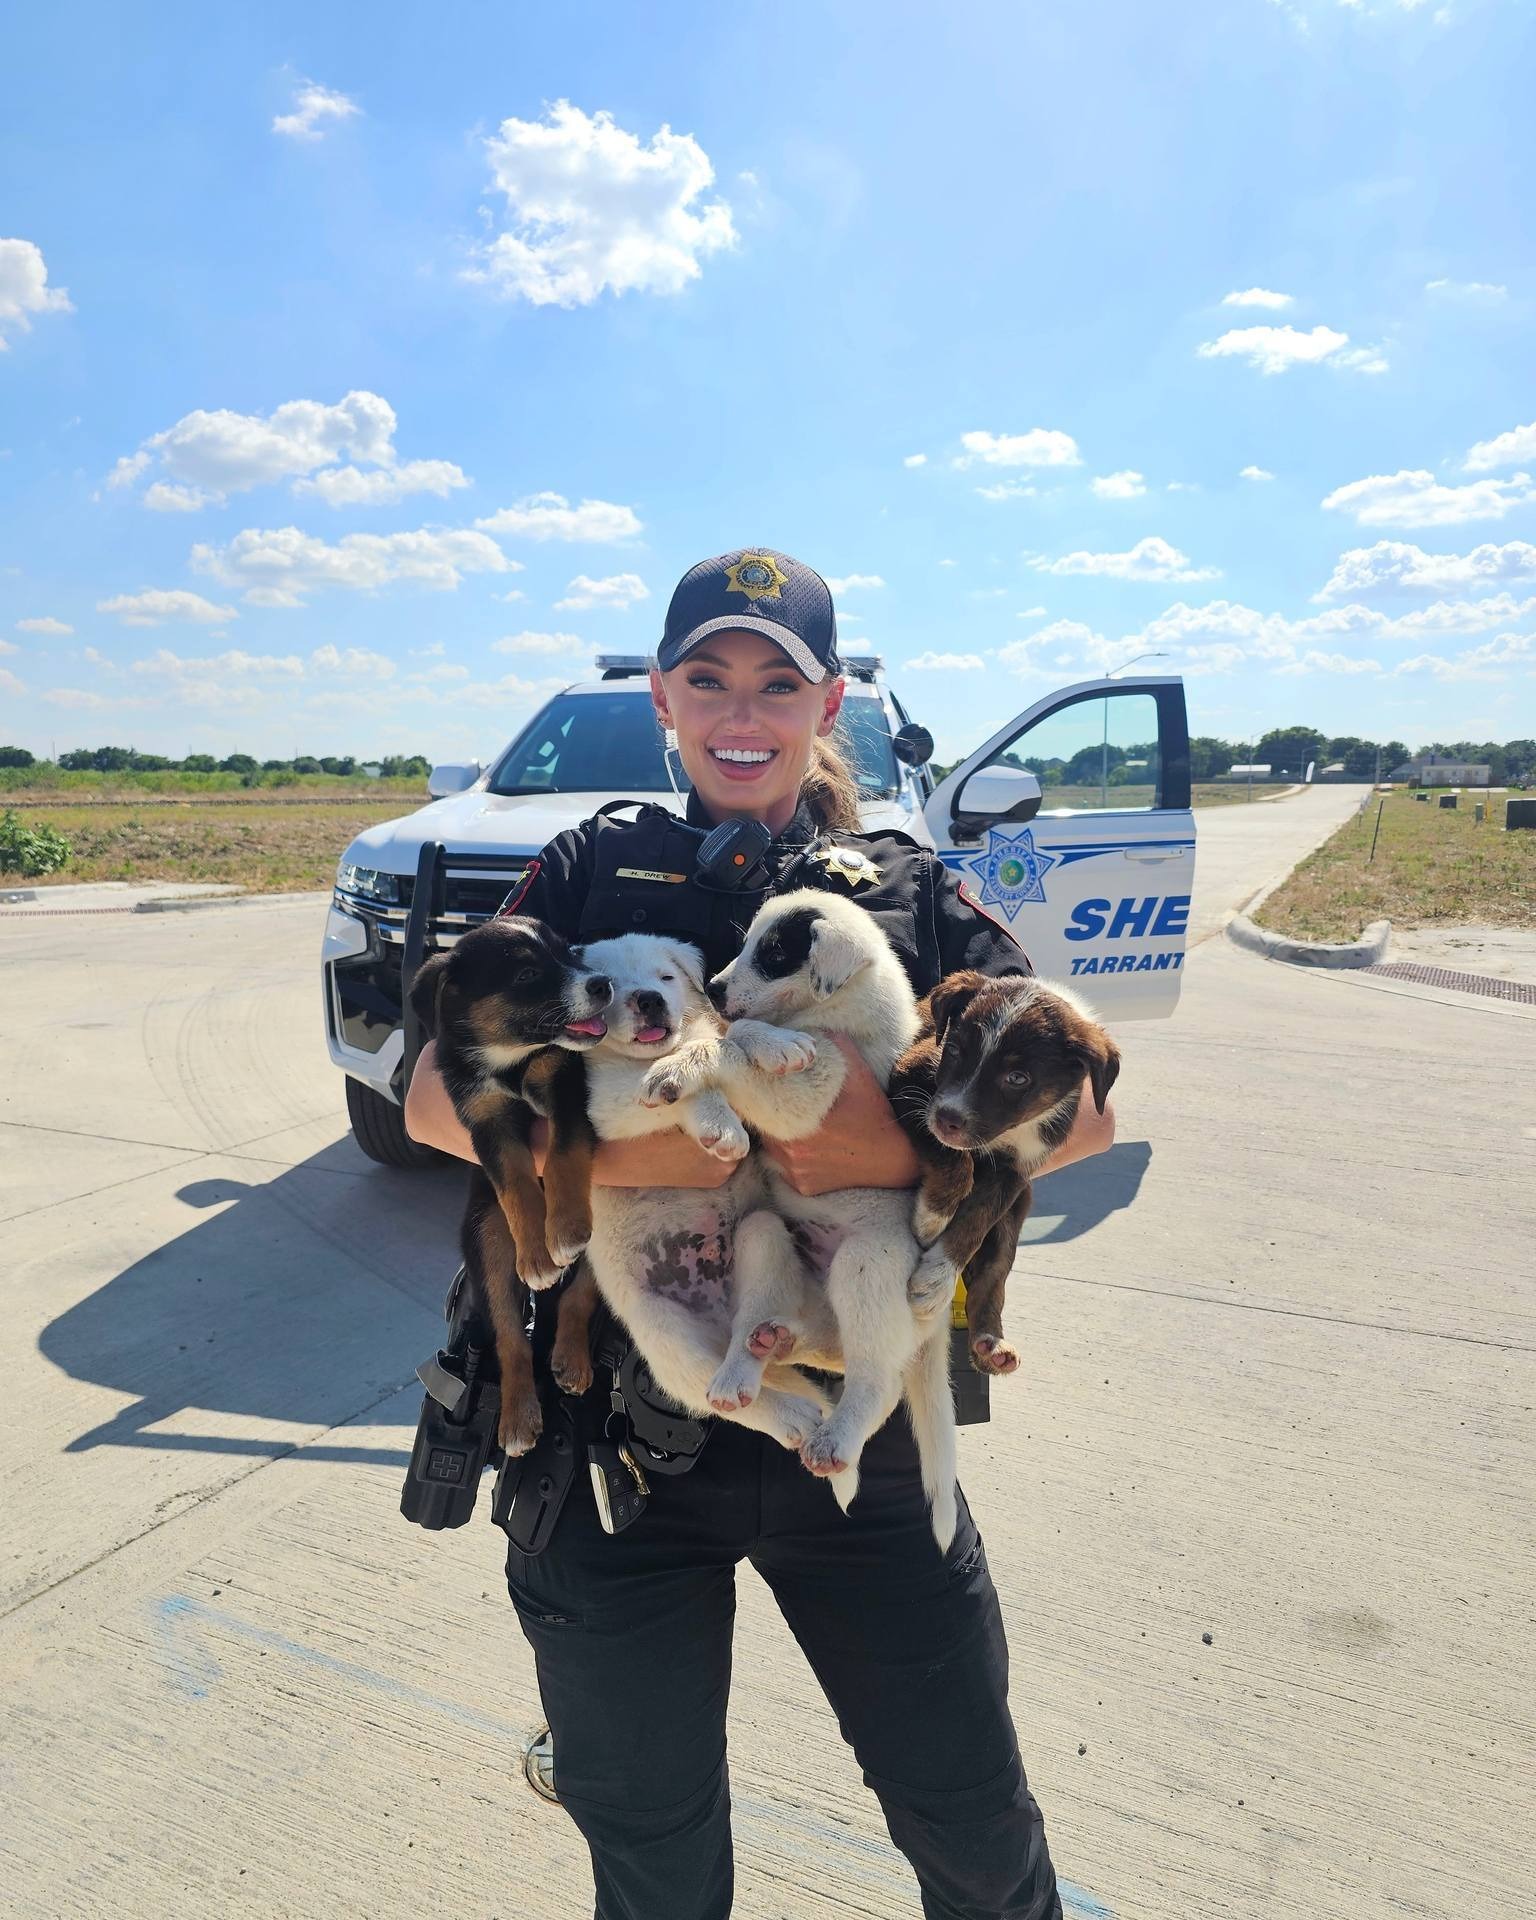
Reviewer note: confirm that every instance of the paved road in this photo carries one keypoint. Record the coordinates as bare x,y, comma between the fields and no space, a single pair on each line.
1285,1398
1245,846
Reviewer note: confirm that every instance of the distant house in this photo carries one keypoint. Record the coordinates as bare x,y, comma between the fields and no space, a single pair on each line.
1431,770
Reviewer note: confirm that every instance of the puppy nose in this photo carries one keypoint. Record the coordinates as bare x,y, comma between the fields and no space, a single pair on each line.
599,989
949,1116
648,1003
716,991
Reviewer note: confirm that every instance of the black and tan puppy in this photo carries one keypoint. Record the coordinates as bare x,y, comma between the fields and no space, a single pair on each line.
987,1092
510,1008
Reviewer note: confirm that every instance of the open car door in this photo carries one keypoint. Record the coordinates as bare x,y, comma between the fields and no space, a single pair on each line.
1073,825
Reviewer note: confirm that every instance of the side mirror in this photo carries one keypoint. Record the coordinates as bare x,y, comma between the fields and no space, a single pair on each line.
442,781
912,745
996,793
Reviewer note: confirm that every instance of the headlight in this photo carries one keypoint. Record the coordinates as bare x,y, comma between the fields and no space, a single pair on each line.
368,883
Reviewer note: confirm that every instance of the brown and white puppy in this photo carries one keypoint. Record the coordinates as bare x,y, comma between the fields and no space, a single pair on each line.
510,1006
987,1092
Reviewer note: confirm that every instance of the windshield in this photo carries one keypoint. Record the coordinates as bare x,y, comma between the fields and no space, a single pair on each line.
610,743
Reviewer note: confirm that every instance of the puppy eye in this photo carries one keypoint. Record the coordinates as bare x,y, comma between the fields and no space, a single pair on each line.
524,975
666,976
1016,1077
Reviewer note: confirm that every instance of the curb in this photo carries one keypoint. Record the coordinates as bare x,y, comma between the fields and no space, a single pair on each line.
189,906
1368,951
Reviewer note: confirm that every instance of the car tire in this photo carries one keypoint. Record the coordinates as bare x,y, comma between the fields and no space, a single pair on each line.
378,1127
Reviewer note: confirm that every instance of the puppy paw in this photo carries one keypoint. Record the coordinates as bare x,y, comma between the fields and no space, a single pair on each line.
726,1140
522,1421
776,1050
824,1452
662,1085
772,1340
798,1420
567,1243
994,1356
572,1368
927,1225
735,1385
932,1283
538,1268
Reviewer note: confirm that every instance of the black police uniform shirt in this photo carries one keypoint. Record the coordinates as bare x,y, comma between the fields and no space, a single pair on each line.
612,876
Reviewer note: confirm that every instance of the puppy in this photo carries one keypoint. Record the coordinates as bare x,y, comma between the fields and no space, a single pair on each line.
988,1091
663,1257
817,964
510,1005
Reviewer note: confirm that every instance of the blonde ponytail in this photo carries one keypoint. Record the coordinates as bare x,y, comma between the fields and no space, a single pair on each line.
829,789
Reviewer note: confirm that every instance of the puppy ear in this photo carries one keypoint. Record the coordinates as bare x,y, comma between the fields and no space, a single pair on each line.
1101,1060
951,997
427,990
690,962
835,958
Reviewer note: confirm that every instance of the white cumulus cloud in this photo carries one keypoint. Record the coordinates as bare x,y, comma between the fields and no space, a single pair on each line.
559,644
1417,499
550,516
619,592
1257,297
1314,662
947,663
915,460
1394,563
381,486
352,660
1040,447
164,661
592,209
1126,485
46,624
1477,663
156,605
1255,473
854,582
280,566
315,109
24,288
9,683
208,455
1277,349
1149,559
1503,450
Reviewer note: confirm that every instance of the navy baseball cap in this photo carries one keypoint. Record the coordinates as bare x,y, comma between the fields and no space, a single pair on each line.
763,592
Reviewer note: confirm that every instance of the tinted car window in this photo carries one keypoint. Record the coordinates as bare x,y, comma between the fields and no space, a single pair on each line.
864,735
586,743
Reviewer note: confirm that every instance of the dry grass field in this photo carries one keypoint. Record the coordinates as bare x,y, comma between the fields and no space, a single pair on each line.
1432,866
280,840
257,841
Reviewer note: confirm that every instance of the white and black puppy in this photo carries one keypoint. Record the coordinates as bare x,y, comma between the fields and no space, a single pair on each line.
662,1257
814,964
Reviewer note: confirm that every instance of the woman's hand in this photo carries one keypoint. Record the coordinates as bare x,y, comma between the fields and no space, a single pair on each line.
429,1116
860,1143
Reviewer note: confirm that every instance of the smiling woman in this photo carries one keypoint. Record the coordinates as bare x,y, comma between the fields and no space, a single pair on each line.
748,682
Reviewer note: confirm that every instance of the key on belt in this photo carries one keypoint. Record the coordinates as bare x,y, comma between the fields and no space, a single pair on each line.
618,1484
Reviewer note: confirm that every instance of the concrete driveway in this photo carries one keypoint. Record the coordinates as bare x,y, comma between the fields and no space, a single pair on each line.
1282,1366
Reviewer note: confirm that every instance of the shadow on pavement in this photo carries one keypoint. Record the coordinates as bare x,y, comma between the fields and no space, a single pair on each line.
310,1297
1070,1203
306,1298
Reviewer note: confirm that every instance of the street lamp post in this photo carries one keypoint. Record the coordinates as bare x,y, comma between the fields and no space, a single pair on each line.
1104,750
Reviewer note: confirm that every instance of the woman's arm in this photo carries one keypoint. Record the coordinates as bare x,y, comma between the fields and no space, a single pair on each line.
667,1159
861,1143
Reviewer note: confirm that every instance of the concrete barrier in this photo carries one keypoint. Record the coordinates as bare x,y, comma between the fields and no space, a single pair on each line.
1370,948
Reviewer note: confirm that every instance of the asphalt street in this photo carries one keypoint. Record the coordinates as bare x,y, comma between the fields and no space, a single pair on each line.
1278,1390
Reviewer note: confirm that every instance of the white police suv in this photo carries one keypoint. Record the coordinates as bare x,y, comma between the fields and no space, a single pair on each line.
1071,823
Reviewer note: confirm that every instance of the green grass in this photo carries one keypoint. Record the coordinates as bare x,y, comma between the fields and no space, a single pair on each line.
41,786
1433,866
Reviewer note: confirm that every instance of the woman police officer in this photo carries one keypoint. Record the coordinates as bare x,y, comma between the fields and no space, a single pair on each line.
632,1633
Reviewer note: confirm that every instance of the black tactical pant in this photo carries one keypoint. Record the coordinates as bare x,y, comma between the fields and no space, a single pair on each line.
632,1637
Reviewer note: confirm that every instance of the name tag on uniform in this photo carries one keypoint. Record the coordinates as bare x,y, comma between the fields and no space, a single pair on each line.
650,873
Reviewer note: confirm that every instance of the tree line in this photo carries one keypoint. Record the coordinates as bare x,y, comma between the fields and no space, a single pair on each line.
1292,749
394,766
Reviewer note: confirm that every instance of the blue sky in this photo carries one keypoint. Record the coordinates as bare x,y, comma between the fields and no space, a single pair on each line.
343,346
